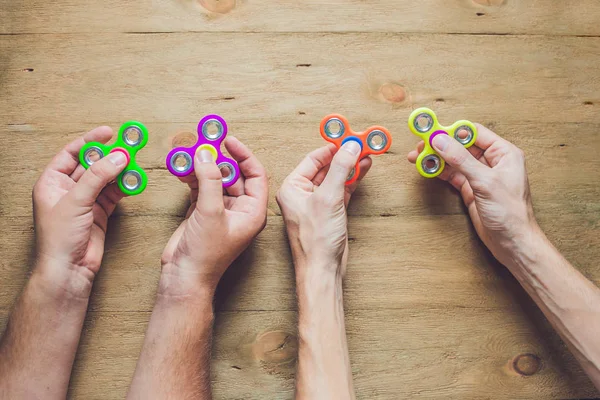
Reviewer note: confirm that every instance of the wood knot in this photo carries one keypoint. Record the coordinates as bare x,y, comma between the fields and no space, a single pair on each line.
276,347
218,6
527,364
489,2
393,92
184,139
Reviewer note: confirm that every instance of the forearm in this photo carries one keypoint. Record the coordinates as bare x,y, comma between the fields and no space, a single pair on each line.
569,300
175,358
39,345
324,370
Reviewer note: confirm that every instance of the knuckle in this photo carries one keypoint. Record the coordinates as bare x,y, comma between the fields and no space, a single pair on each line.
458,158
102,171
452,175
344,160
164,259
209,171
211,209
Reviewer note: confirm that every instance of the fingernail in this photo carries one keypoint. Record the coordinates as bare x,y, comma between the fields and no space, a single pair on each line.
117,158
441,142
205,156
352,147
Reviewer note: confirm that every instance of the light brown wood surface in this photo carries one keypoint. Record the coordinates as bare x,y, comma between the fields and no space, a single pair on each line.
429,313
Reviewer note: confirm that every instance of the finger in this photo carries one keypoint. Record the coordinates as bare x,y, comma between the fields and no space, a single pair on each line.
100,174
479,154
485,137
364,166
193,194
320,177
474,150
458,157
256,183
414,154
210,186
237,189
190,180
109,198
315,161
420,146
67,160
192,183
453,177
341,166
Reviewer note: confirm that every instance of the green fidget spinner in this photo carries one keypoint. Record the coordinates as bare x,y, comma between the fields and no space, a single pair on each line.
133,136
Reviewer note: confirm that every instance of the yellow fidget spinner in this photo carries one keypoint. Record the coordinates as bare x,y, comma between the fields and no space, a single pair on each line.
424,123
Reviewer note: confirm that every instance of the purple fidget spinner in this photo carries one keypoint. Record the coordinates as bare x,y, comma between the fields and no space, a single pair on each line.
212,130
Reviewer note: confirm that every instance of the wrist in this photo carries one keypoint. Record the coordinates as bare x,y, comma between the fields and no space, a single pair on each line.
316,256
185,283
317,275
526,248
61,280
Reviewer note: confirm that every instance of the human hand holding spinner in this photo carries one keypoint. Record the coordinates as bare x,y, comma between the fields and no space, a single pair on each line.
212,130
424,123
374,141
132,137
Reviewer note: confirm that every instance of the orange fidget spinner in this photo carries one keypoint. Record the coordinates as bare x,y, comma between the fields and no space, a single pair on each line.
374,141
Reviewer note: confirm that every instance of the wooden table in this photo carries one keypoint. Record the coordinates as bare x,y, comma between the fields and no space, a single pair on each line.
429,313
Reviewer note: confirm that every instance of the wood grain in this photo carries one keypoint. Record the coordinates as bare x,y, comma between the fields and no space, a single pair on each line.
549,17
392,353
392,266
176,77
426,318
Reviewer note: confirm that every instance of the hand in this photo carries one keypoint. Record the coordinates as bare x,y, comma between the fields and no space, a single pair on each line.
71,207
313,201
218,226
492,180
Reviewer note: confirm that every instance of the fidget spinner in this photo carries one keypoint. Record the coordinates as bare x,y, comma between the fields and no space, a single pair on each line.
374,141
212,130
424,124
133,136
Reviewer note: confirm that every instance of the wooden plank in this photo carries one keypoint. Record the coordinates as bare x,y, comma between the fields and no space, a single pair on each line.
563,167
394,263
422,354
425,320
550,17
260,77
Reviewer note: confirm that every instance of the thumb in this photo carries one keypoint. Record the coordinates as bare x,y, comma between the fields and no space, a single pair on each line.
341,166
100,174
457,156
210,186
